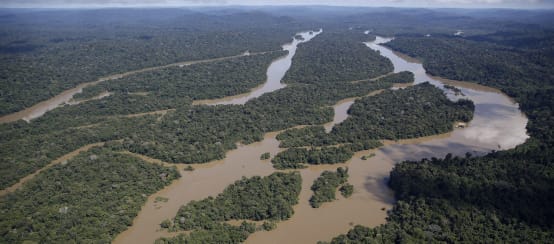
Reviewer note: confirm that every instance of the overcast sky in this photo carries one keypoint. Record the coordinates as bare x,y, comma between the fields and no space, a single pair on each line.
393,3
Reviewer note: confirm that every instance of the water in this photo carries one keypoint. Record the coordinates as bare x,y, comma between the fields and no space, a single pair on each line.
498,123
275,72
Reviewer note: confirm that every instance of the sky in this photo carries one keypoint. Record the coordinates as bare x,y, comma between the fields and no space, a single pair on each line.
534,4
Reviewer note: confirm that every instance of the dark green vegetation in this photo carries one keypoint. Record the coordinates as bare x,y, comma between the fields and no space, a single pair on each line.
416,111
516,71
520,189
190,134
45,52
336,57
223,233
332,71
295,158
436,221
390,115
265,156
346,190
501,197
91,198
197,81
256,198
26,148
325,186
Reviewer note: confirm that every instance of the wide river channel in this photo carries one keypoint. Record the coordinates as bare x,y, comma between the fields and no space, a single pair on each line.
497,124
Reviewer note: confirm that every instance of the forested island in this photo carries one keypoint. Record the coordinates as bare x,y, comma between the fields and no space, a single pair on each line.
82,171
391,115
256,198
325,186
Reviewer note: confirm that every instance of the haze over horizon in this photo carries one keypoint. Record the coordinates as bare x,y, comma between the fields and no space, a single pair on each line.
517,4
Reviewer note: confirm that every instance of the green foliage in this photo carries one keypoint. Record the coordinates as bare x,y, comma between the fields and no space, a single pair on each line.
514,71
92,198
438,221
305,136
221,233
190,134
66,48
269,225
516,186
166,224
197,81
325,186
365,157
391,115
255,198
416,111
336,57
24,150
296,158
346,190
265,156
503,197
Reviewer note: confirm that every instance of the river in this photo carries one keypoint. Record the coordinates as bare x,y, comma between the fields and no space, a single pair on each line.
275,73
497,124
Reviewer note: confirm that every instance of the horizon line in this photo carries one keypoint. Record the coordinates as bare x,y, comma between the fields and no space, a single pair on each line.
158,6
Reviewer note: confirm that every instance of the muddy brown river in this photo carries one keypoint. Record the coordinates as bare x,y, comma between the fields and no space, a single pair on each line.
497,124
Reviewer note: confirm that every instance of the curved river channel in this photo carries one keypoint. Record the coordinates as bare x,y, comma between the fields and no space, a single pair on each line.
497,124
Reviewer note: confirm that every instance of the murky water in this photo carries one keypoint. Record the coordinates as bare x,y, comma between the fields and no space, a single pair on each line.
341,113
275,72
497,123
206,180
367,205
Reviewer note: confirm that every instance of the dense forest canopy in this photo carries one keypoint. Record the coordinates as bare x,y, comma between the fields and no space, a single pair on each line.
326,185
502,197
89,198
509,193
45,52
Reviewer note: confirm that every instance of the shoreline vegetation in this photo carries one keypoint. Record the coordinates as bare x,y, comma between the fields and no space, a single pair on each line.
499,197
503,196
257,198
390,115
326,185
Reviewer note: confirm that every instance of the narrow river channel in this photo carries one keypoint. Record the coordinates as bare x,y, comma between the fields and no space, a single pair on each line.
498,124
275,72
